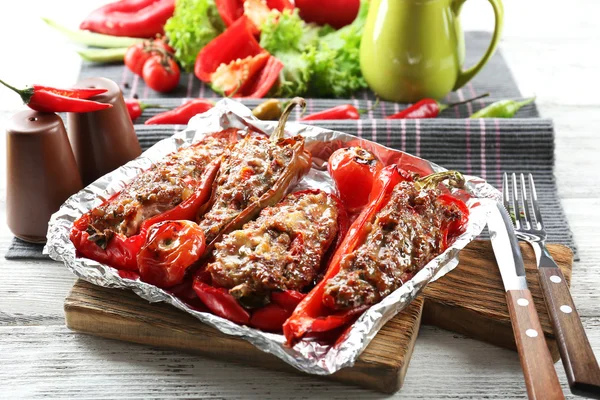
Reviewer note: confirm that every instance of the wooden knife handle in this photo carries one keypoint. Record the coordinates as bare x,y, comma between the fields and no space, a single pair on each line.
536,361
577,355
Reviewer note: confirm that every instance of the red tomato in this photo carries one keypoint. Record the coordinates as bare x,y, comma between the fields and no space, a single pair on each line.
171,247
353,169
161,73
337,13
136,57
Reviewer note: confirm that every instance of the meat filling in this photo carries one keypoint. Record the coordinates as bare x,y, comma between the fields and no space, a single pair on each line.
252,168
281,250
156,190
405,235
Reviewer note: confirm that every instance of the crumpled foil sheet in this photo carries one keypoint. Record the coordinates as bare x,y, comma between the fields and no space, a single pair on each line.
307,356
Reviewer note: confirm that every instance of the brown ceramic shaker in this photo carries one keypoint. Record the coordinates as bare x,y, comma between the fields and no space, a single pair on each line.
102,140
41,172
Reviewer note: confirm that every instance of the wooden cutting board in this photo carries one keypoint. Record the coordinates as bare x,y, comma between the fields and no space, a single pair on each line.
469,300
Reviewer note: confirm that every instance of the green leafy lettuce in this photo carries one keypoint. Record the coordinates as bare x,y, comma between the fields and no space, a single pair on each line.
193,24
318,61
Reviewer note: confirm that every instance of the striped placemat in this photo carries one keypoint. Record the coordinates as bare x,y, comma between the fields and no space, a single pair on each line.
495,78
486,148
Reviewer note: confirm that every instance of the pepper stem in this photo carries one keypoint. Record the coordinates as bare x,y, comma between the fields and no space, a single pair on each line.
278,132
525,102
366,110
25,94
454,178
143,106
458,103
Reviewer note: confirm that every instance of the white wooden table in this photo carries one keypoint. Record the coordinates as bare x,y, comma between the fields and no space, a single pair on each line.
552,48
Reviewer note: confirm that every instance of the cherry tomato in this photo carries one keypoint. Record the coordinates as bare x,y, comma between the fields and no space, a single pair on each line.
135,58
171,247
337,13
353,169
161,73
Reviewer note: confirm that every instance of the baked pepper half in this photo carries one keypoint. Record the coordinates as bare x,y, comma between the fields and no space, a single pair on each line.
254,174
172,189
407,222
259,273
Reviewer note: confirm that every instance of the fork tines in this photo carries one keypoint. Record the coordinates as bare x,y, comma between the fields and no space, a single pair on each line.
517,204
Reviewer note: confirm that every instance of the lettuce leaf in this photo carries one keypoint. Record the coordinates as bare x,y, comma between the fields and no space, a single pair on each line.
318,61
193,24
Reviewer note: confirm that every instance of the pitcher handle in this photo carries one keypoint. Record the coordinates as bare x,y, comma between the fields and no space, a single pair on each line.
465,76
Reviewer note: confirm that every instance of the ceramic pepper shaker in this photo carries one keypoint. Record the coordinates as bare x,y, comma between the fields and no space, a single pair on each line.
102,140
41,172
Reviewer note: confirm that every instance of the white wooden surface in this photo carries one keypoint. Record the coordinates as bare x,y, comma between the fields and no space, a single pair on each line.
552,48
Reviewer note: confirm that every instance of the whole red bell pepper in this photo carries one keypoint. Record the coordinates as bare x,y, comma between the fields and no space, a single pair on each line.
282,303
313,316
134,18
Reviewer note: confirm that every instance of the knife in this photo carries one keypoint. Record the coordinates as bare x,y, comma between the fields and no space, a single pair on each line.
540,376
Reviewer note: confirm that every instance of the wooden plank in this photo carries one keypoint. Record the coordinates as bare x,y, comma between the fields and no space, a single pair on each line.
469,300
125,316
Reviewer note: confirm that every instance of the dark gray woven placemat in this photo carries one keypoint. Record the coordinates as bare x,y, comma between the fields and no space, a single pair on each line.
479,147
494,78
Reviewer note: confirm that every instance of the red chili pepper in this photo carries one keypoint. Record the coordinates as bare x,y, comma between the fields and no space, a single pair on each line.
428,108
272,316
181,115
237,42
346,111
121,251
135,108
48,99
134,18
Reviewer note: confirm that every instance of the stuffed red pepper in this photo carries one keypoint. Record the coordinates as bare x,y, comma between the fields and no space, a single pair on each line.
259,273
406,224
172,189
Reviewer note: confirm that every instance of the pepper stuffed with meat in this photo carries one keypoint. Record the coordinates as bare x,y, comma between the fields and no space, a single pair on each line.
172,189
261,272
406,224
254,174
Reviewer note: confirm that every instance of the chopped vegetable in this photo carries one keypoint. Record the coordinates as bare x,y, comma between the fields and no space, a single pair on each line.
93,39
193,25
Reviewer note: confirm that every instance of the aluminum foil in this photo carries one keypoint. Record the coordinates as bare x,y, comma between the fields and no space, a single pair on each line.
307,356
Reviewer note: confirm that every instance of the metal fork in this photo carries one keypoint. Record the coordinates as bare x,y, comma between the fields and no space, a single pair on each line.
577,356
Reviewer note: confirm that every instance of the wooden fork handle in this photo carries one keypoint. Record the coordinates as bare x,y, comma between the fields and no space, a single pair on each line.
577,355
536,361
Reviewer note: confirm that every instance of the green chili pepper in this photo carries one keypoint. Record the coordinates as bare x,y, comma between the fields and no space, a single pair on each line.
103,55
269,110
502,109
93,39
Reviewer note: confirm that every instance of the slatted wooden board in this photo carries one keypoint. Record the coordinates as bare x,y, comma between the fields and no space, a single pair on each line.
469,300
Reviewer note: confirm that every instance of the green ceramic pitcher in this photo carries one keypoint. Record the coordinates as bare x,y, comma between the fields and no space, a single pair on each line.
413,49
